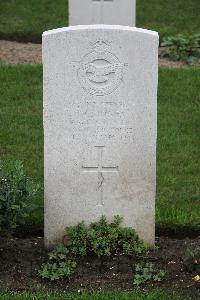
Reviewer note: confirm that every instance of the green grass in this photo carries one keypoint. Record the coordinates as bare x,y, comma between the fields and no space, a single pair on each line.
98,296
25,20
21,135
169,17
178,136
178,181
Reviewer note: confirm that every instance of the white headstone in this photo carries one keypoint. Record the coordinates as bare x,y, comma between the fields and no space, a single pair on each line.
100,97
113,12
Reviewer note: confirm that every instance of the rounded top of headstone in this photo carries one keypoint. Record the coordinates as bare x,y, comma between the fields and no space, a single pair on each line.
101,27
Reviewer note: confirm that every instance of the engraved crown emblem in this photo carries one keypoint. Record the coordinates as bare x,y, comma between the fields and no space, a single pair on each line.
100,46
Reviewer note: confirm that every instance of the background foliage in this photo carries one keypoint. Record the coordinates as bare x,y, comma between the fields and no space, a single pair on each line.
17,193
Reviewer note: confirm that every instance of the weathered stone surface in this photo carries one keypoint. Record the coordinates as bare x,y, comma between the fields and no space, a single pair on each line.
113,12
100,97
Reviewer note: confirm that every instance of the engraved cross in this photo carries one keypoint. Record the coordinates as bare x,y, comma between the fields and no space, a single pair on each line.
100,170
102,2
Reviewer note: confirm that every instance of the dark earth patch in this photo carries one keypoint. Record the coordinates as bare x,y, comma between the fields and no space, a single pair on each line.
21,258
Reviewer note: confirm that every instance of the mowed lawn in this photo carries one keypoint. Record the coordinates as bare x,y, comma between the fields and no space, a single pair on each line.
21,137
156,295
25,20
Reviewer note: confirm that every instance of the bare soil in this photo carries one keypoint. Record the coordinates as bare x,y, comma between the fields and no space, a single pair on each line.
21,258
22,53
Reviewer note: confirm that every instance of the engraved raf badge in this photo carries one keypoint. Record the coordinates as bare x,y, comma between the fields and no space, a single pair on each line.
100,72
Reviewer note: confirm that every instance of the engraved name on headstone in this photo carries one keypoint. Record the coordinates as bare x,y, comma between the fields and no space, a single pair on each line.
113,12
100,97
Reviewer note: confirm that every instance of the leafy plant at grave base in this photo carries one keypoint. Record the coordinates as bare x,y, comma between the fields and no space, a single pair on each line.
192,260
78,239
17,192
56,271
58,267
59,253
182,47
103,238
146,272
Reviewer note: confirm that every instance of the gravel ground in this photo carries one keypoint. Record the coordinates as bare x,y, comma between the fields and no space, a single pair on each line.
21,53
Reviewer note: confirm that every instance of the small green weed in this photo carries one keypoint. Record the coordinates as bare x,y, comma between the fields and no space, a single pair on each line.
17,192
146,272
182,47
57,271
103,238
59,253
58,267
192,260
